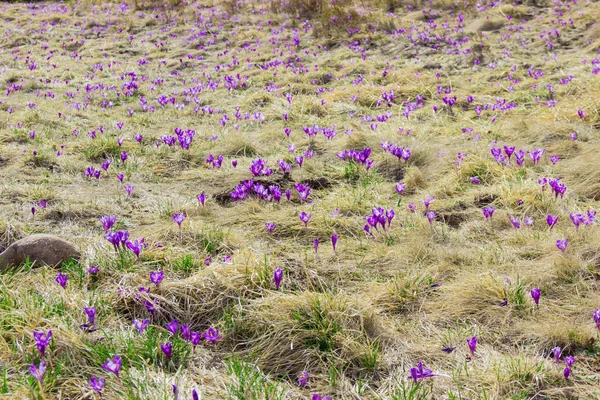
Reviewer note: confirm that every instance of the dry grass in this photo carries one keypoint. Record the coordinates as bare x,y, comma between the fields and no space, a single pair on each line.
357,318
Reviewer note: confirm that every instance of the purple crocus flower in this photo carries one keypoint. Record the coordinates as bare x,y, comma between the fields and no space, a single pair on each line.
528,221
430,216
201,198
97,384
120,177
304,217
93,270
277,277
38,372
556,352
412,207
535,294
569,361
42,341
179,218
113,365
551,220
420,373
173,327
334,239
472,343
212,335
488,212
475,180
316,244
167,348
61,279
428,200
400,188
597,318
185,332
141,324
303,379
91,314
562,244
515,222
108,221
123,156
128,189
156,277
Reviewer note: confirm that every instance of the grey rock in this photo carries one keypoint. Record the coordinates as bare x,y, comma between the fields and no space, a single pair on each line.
40,249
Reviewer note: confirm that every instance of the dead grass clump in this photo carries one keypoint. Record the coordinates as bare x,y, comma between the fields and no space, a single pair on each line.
290,333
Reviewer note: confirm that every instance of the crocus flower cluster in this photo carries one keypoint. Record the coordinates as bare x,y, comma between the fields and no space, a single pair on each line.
359,157
402,153
379,217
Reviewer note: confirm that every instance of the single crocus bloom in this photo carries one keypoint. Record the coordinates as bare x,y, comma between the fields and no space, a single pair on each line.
277,277
91,314
334,239
141,324
472,343
562,244
515,222
42,340
420,373
108,221
303,379
38,372
597,318
270,226
400,187
93,270
201,198
212,335
173,327
551,220
316,244
304,217
113,365
556,352
97,384
61,279
167,348
179,218
535,294
156,277
430,216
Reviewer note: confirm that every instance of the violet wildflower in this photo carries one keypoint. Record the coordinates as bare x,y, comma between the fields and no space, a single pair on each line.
97,384
277,277
156,277
420,373
91,314
108,221
167,348
472,343
304,217
128,189
42,341
554,159
400,187
316,244
61,279
412,207
515,222
551,220
179,218
488,212
430,216
120,177
556,352
597,318
535,295
135,247
141,324
428,200
475,180
113,365
93,270
38,372
303,379
173,327
270,226
562,244
317,397
201,198
569,361
123,156
185,332
212,335
528,221
334,239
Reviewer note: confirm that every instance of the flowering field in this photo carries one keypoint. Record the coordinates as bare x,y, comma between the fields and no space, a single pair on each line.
302,199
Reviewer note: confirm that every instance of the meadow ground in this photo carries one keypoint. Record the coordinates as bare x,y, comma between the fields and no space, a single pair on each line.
131,111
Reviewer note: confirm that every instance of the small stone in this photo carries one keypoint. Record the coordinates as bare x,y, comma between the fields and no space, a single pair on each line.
40,249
